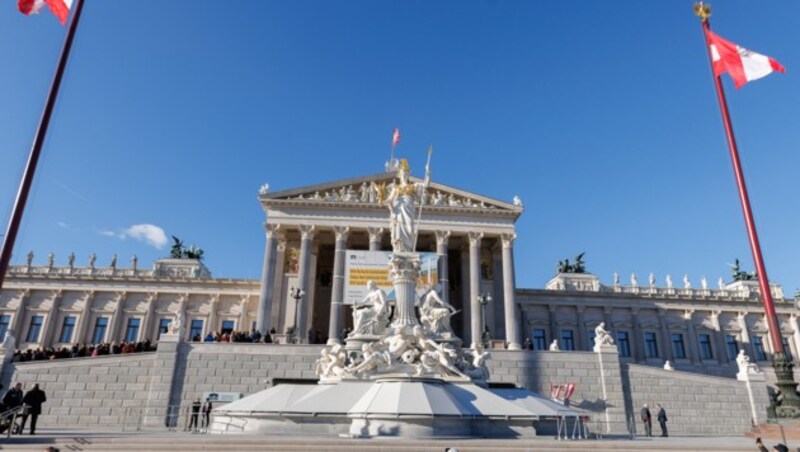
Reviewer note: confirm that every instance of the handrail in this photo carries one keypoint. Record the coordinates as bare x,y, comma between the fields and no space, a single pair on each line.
12,416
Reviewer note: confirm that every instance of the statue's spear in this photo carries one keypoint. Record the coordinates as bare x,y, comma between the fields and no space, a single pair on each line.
424,194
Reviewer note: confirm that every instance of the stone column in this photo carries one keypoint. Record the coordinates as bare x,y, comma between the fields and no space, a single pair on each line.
116,321
441,250
746,345
306,243
213,307
694,343
638,337
552,326
263,321
466,305
19,316
279,308
509,300
498,299
475,286
582,339
86,315
722,350
375,236
149,316
795,335
666,338
337,295
52,317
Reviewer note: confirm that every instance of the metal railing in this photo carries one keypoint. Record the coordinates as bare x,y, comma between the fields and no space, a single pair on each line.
8,419
173,418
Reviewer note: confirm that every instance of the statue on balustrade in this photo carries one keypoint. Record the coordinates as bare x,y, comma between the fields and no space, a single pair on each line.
601,336
371,314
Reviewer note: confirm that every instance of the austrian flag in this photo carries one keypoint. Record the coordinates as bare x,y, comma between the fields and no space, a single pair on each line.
58,7
741,64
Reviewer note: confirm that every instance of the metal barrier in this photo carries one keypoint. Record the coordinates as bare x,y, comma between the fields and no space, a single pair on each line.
9,418
174,418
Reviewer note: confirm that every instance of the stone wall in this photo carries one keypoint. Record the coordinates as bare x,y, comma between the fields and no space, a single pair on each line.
695,404
87,391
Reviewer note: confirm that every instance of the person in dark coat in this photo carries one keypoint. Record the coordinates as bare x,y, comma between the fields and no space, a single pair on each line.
195,415
648,420
33,400
13,399
207,413
760,445
662,420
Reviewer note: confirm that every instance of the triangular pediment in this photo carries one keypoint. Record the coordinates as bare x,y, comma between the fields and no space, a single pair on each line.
363,192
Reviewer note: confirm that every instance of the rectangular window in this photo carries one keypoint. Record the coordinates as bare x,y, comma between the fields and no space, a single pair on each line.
35,329
786,348
100,327
163,326
678,350
731,346
705,346
196,330
539,339
650,345
67,329
567,340
227,326
5,321
591,337
758,348
623,344
132,331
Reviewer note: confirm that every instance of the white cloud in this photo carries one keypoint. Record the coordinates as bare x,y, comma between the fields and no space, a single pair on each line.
62,224
108,233
147,233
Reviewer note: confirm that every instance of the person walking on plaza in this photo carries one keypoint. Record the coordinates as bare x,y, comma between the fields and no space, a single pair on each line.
195,414
648,420
13,399
33,400
662,420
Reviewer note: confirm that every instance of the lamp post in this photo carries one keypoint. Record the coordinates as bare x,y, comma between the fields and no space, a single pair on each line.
483,300
298,294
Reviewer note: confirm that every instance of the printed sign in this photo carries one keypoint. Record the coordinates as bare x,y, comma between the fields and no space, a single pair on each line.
362,266
222,396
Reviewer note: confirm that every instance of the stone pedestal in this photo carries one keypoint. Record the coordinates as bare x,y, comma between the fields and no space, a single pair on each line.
159,409
404,269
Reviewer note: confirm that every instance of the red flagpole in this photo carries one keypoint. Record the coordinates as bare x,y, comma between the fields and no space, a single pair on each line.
755,247
36,149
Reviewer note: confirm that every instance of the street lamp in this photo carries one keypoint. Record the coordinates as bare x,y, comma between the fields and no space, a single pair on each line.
298,294
483,300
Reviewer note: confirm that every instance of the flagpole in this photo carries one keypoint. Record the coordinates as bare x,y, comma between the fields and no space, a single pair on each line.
36,149
781,363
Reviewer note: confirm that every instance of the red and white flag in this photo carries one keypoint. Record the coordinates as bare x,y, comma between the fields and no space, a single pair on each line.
395,137
58,7
741,64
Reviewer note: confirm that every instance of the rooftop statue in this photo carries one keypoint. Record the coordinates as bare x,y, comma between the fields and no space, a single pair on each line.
178,251
739,274
578,267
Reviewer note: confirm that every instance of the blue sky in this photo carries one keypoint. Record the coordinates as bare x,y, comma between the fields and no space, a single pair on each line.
600,115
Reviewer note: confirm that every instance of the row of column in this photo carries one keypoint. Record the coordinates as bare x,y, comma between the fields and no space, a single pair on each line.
375,235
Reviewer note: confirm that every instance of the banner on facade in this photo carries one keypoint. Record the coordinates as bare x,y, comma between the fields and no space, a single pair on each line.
362,266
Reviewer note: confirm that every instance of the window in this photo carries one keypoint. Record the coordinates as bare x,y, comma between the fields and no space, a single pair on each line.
196,329
132,331
5,320
67,329
227,326
100,327
678,350
705,346
758,348
539,340
623,344
163,326
731,347
35,329
650,345
591,337
786,349
567,340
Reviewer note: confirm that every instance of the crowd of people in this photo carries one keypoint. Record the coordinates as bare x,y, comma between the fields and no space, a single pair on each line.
254,336
83,350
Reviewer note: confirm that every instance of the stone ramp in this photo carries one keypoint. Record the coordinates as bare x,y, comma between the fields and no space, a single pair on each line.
162,441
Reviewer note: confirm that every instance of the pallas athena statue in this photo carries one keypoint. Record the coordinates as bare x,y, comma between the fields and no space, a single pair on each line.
402,200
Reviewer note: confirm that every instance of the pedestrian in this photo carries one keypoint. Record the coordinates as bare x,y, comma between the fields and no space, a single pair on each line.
207,412
662,420
761,446
780,448
648,420
195,414
11,400
33,400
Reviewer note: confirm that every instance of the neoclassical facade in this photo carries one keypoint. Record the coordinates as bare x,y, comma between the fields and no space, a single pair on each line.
307,232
